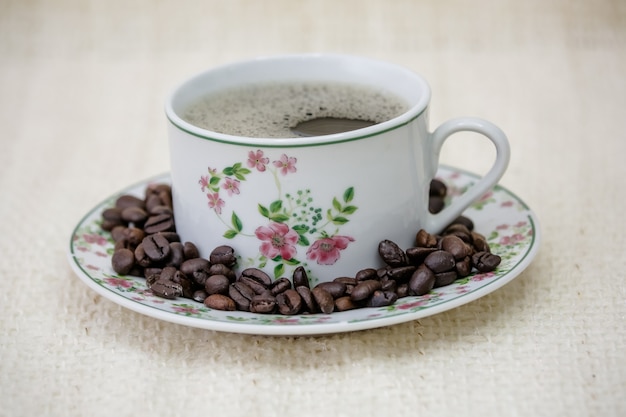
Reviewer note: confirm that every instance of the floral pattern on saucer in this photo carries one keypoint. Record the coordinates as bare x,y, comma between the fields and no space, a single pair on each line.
510,227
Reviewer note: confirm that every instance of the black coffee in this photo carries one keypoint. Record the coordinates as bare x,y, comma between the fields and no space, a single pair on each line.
283,110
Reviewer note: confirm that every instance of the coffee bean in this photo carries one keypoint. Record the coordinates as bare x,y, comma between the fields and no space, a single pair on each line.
459,230
391,253
241,295
335,289
440,261
289,302
463,267
480,242
416,255
156,247
402,290
220,302
264,303
196,268
177,256
257,275
223,255
465,221
256,286
437,188
436,204
280,285
323,299
423,239
345,303
186,283
485,261
159,223
300,278
217,284
365,274
200,295
365,289
445,278
219,269
401,273
166,289
111,218
190,250
388,285
141,258
456,246
128,200
382,299
123,261
308,302
134,214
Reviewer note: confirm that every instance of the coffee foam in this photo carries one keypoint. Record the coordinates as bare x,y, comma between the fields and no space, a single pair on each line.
273,109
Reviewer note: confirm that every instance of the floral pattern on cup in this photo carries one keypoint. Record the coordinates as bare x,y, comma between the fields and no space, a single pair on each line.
292,228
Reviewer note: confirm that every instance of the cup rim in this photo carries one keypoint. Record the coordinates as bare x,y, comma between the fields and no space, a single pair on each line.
403,119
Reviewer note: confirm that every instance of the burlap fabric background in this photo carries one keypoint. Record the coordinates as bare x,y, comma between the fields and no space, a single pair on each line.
82,85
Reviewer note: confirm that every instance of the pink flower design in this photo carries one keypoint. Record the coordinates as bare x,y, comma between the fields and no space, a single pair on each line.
502,227
215,202
326,250
511,240
204,182
186,310
277,239
506,204
94,238
231,185
117,282
257,160
286,164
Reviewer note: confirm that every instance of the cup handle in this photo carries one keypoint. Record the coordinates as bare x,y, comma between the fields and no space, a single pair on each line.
435,223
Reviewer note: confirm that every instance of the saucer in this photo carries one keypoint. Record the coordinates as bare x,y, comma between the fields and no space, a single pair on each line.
510,226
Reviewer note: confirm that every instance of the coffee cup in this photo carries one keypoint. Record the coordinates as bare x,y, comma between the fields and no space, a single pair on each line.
318,201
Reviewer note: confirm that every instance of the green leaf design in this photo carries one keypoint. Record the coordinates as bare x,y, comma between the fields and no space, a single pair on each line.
349,209
279,270
214,181
279,217
236,221
301,228
264,211
228,171
340,220
336,204
303,241
230,233
348,195
276,206
292,261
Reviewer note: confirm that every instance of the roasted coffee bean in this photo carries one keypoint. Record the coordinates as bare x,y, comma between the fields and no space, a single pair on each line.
170,236
220,269
289,302
152,202
401,273
365,289
365,274
196,268
111,218
220,302
132,235
440,261
241,294
141,258
257,275
345,303
199,295
123,261
459,230
445,278
391,253
159,223
323,300
388,285
151,271
300,278
280,285
437,188
349,282
223,255
463,267
308,302
156,247
381,273
480,243
402,290
167,273
177,257
133,214
186,283
256,286
264,303
422,281
166,289
456,246
382,299
416,255
423,239
151,279
217,284
485,261
335,289
128,200
190,250
436,204
465,221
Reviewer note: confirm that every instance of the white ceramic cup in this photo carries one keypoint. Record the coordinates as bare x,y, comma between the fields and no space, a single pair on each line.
321,202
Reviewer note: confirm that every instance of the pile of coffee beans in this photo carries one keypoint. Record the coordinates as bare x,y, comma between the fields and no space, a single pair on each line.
146,244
